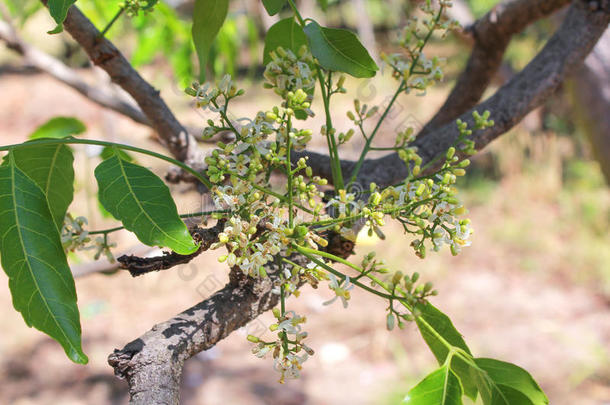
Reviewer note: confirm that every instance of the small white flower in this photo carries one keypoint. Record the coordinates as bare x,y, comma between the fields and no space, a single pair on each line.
341,290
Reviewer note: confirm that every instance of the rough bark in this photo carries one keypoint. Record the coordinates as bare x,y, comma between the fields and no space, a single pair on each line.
152,364
563,54
104,54
491,34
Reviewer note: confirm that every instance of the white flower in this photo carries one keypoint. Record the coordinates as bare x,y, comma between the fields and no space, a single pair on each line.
341,290
289,366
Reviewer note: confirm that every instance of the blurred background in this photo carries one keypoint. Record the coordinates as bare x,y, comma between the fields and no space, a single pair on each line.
534,289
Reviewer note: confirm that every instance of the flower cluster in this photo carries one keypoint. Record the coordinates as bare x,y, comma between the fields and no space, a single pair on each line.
413,68
133,7
75,237
288,72
265,223
289,352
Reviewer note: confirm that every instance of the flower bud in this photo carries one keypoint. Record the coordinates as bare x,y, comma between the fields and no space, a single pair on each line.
390,321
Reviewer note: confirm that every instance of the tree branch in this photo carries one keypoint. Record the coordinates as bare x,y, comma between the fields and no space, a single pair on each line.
66,75
152,364
105,55
491,34
139,266
584,24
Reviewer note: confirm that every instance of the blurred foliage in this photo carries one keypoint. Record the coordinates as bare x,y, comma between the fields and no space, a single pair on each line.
481,7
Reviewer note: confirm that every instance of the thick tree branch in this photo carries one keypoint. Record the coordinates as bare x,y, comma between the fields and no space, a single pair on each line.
105,55
491,34
584,24
152,364
66,75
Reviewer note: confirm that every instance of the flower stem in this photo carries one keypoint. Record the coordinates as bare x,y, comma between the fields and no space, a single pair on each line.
74,141
111,23
401,88
333,151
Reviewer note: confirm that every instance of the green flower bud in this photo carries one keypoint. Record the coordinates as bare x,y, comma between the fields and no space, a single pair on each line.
390,319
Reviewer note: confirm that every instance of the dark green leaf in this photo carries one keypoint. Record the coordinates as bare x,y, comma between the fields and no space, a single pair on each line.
274,6
507,384
51,168
32,256
138,198
208,17
286,33
431,317
59,127
441,387
340,50
59,11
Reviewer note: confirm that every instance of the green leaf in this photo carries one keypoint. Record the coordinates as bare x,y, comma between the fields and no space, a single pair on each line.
51,168
340,50
507,384
431,317
110,151
323,4
208,18
138,198
59,11
274,6
59,127
441,387
32,256
286,33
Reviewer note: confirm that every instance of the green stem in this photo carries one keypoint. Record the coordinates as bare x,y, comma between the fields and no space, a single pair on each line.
284,336
73,141
310,253
296,12
111,23
196,214
330,138
225,117
369,140
403,83
338,274
289,174
361,215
